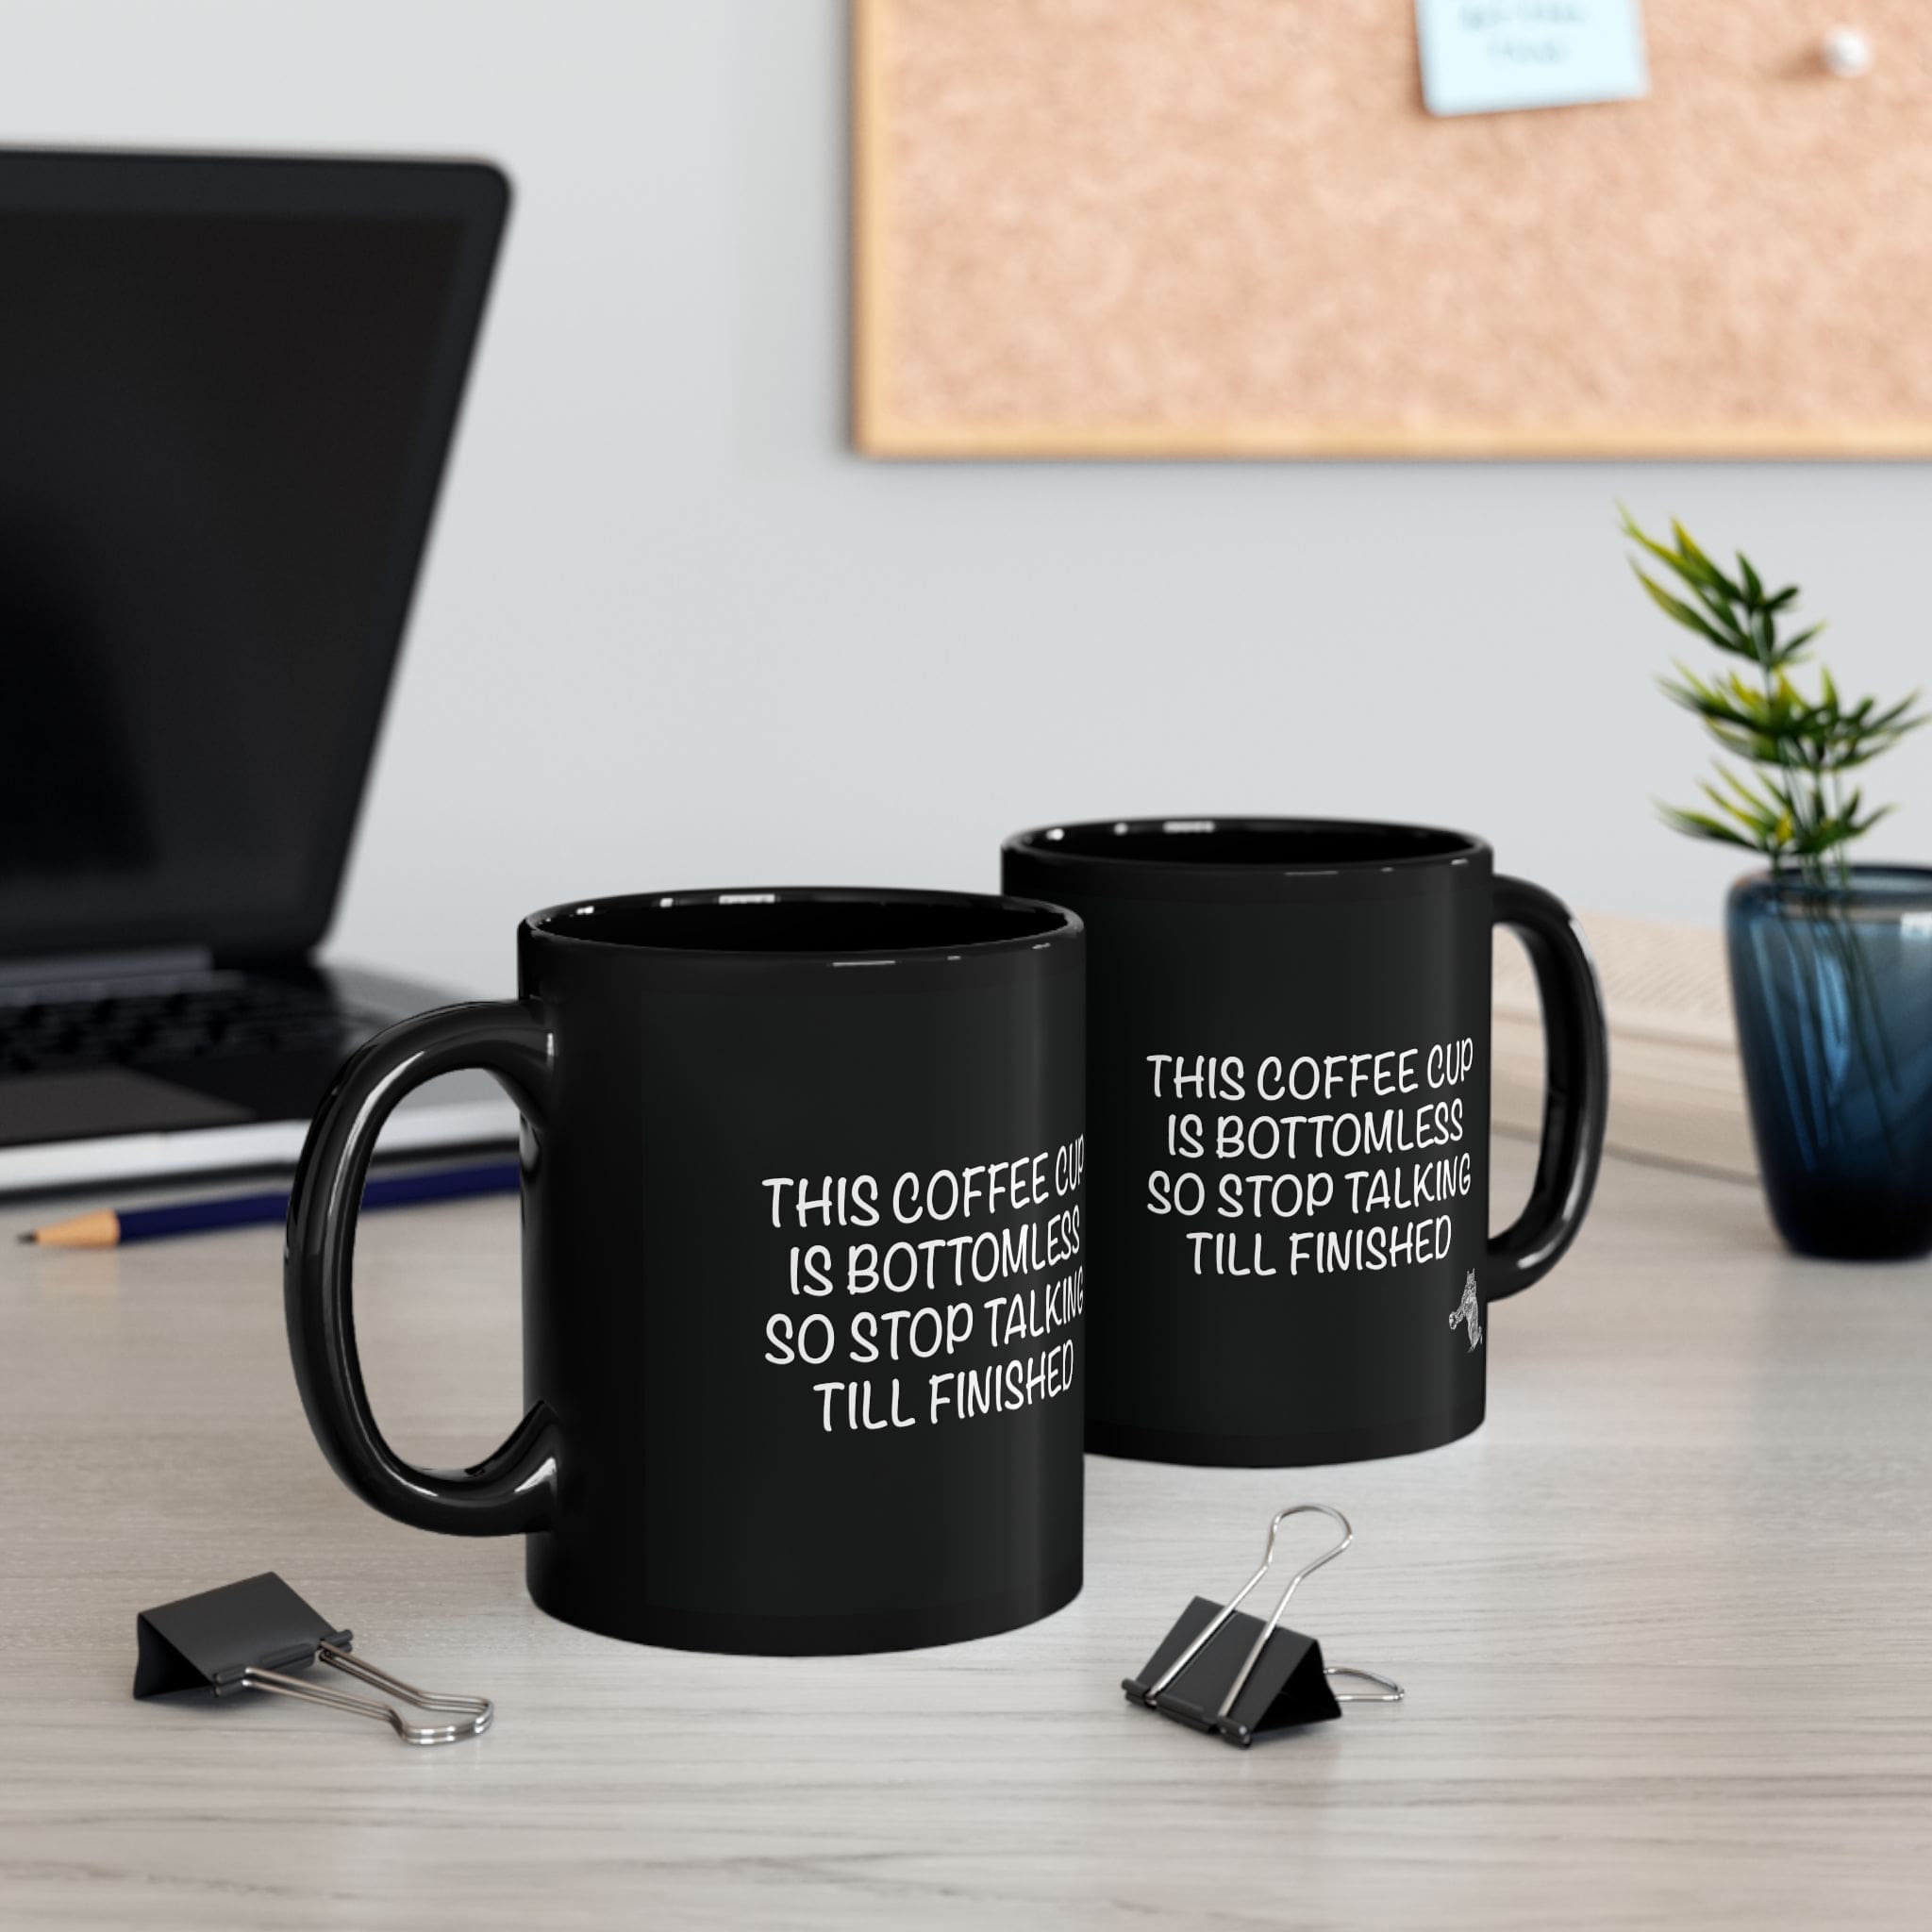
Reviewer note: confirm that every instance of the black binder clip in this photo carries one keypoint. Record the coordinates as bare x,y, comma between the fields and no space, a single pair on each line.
1222,1671
249,1636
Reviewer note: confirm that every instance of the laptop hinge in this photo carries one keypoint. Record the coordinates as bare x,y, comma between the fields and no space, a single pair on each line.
84,968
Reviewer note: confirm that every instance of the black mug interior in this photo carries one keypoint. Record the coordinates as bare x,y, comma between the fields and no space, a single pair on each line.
1278,844
834,921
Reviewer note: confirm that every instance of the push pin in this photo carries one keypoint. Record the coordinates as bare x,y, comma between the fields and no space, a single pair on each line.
1222,1671
255,1634
1846,52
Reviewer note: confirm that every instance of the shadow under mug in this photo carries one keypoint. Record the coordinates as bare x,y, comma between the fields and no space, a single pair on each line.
803,1260
1289,1092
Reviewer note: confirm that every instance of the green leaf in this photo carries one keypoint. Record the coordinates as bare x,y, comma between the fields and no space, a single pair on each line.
1697,824
1791,749
1756,822
1883,721
1694,564
1765,804
1688,564
1675,609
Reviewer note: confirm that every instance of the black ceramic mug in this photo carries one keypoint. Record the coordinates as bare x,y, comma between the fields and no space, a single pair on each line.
1288,1098
803,1255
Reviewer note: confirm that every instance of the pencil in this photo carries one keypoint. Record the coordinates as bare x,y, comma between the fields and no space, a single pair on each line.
109,1228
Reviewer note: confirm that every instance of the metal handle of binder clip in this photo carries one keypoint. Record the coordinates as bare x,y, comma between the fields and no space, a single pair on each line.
477,1711
1392,1692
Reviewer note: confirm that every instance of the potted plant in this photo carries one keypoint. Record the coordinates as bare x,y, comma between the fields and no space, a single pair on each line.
1831,961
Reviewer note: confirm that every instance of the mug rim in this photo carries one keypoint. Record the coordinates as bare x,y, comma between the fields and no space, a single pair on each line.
1054,923
1046,842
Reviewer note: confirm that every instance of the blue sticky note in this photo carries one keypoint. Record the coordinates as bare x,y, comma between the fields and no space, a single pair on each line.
1483,56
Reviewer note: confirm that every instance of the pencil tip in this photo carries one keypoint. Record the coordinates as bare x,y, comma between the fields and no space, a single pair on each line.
26,1239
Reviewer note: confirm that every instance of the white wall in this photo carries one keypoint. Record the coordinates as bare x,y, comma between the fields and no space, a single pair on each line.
673,633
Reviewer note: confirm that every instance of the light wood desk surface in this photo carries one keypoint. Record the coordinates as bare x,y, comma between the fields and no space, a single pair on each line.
1665,1622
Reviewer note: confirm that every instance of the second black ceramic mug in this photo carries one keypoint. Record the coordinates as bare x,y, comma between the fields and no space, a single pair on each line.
1288,1108
803,1255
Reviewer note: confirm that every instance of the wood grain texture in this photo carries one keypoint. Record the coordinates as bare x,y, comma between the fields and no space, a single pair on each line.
1663,1621
1229,229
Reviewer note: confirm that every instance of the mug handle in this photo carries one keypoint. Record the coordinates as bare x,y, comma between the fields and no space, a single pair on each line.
512,1488
1577,1087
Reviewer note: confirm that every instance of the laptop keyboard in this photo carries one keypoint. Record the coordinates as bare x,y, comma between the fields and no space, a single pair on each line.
211,1017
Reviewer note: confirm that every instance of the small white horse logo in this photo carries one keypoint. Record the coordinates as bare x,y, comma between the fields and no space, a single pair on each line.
1468,1313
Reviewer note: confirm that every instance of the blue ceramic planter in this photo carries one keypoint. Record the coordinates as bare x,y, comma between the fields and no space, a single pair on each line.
1833,994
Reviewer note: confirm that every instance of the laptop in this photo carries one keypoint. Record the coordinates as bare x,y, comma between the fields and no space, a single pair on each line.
227,387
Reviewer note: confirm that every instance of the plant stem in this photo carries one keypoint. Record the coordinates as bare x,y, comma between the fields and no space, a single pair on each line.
1800,792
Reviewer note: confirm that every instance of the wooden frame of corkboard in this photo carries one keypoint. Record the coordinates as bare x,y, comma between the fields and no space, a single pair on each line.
1230,228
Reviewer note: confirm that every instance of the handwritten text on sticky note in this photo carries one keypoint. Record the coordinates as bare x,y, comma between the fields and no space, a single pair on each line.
1481,57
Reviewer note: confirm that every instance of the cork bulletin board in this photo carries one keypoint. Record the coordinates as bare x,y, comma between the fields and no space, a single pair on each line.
1229,227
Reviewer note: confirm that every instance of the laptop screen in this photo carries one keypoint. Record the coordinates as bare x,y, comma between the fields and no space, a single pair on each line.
223,430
